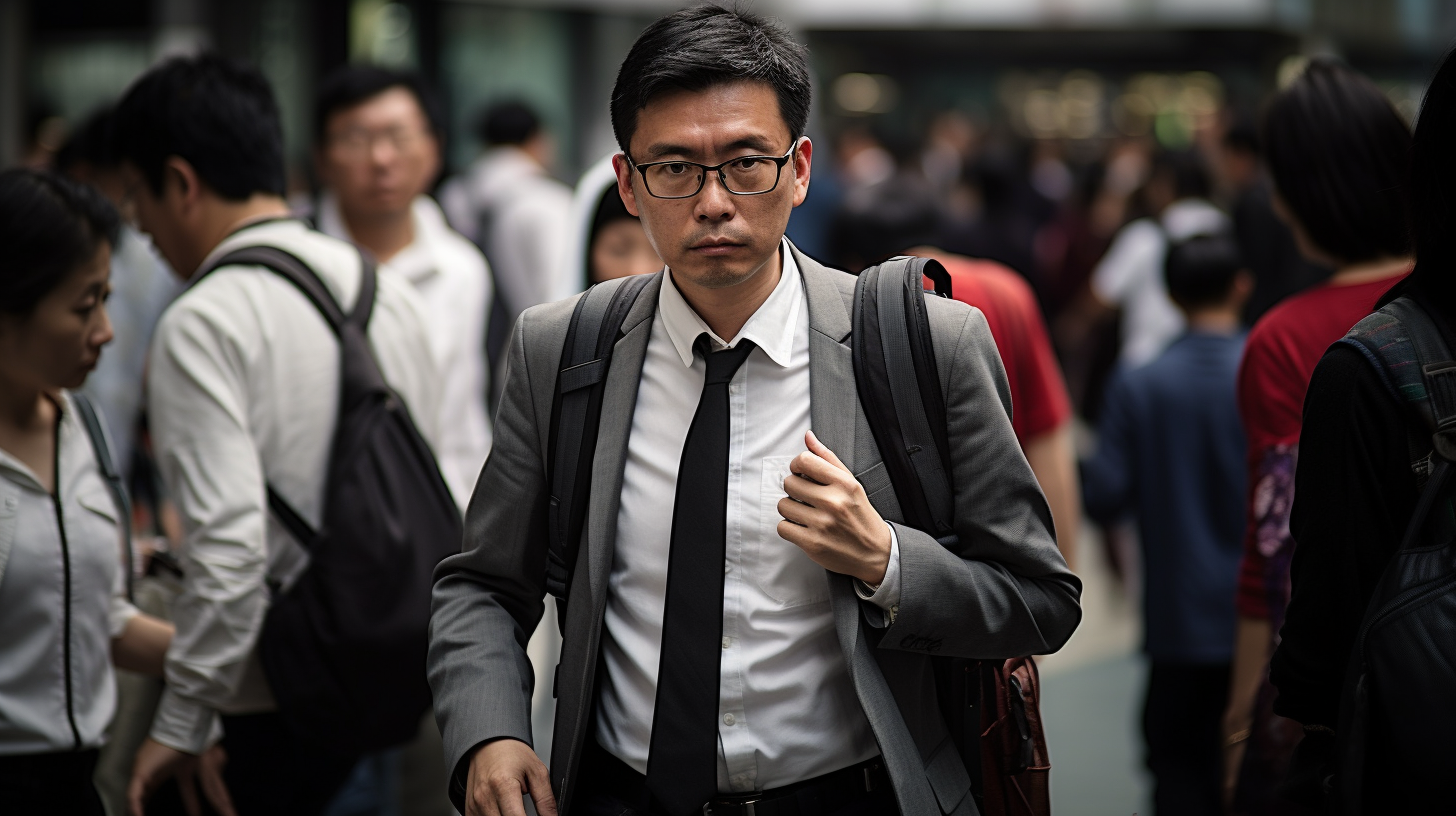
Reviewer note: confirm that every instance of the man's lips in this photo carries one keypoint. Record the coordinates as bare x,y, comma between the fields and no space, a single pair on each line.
716,246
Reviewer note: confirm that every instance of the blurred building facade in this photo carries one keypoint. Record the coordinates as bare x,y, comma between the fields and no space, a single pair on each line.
1072,70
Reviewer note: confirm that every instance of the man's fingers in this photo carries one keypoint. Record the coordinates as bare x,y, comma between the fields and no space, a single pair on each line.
187,787
136,795
814,468
796,512
508,794
805,490
821,450
539,782
214,787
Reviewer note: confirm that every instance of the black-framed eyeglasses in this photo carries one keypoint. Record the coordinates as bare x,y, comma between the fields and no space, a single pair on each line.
745,175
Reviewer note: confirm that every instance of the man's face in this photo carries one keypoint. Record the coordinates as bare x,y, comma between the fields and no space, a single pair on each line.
165,218
715,239
379,155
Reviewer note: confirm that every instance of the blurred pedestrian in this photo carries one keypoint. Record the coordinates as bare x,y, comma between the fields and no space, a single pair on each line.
1130,275
1337,152
710,660
377,137
244,398
1265,241
608,241
141,288
1356,491
901,216
508,203
62,528
1170,451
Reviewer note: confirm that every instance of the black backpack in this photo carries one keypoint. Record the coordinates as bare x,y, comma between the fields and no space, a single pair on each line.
893,354
344,647
115,484
1403,665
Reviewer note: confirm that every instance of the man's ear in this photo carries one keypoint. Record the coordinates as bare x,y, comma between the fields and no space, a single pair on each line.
623,169
181,182
802,162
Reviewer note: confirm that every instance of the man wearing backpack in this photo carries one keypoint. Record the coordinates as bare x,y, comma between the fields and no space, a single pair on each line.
244,397
746,633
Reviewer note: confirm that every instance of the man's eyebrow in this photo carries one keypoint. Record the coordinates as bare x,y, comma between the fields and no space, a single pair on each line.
759,144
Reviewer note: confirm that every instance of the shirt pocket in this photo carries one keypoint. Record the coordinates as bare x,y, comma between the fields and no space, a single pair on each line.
778,568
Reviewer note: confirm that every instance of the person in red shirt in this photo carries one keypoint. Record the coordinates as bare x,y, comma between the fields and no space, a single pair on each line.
881,221
1337,153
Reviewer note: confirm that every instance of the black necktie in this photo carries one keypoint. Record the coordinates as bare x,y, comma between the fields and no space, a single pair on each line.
682,762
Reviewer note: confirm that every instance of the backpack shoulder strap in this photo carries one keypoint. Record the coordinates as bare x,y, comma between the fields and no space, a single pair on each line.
1406,348
586,357
899,387
110,473
293,269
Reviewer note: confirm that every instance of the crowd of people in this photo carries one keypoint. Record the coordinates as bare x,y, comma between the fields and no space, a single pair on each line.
1243,339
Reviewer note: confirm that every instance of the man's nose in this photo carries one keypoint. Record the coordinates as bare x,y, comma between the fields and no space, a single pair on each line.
714,202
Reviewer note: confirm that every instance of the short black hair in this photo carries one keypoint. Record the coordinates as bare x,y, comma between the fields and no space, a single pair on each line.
1339,154
353,84
91,143
49,226
511,122
709,45
1188,170
217,114
1200,271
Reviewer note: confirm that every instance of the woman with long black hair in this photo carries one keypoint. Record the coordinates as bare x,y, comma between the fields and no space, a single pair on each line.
1355,492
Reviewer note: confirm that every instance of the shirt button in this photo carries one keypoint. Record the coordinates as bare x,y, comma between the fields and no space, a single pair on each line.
728,719
725,643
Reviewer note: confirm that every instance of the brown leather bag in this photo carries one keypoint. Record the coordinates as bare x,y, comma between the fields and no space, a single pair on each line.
1015,765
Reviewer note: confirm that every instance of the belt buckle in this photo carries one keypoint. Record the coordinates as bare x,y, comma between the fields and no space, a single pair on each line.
740,808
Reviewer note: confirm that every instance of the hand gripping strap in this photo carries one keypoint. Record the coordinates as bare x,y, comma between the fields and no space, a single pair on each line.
109,472
586,357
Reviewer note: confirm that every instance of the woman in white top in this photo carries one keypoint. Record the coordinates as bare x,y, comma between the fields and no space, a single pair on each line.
64,617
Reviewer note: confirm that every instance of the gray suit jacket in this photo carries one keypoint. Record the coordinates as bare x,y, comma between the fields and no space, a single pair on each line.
1005,592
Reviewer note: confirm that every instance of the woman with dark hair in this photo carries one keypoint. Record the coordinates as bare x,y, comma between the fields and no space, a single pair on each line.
62,600
606,241
1337,152
1355,493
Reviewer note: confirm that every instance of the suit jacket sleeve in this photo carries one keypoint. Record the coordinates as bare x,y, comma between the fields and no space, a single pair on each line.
489,598
1002,590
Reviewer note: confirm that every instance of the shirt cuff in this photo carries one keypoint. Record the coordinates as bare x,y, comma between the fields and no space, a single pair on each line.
887,596
184,725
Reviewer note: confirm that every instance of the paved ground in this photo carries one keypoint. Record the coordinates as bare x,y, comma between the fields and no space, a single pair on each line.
1091,701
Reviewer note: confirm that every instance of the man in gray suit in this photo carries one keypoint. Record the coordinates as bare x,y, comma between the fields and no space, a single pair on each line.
797,678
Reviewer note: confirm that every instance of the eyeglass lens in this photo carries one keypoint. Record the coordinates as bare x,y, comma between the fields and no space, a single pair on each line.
747,175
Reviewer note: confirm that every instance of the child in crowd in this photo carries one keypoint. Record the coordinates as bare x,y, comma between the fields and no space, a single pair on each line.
1171,454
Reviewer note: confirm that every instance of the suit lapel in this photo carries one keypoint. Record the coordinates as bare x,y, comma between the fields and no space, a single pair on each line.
619,401
831,368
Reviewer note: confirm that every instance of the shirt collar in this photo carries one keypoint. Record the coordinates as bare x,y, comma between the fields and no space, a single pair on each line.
417,262
771,328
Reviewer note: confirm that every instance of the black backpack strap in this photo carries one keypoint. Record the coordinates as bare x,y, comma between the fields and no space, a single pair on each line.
899,387
292,269
109,472
586,357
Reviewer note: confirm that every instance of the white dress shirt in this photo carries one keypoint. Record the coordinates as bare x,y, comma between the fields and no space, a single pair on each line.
524,211
243,392
788,711
42,692
451,277
1130,275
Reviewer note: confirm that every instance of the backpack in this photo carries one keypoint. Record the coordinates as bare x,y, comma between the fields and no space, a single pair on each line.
344,647
990,708
1404,657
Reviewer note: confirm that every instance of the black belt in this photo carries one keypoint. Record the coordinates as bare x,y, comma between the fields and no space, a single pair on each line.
812,797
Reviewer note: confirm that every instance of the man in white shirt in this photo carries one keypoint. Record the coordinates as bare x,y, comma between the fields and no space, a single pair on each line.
243,395
377,150
508,203
1130,275
746,633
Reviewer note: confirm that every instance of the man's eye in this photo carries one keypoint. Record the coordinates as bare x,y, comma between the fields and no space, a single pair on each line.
746,164
676,168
